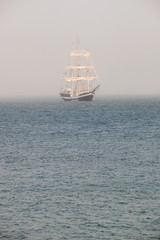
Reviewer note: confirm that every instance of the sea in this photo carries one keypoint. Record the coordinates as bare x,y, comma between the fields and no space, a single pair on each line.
80,170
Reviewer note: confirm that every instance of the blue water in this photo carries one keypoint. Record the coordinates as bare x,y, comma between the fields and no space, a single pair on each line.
81,170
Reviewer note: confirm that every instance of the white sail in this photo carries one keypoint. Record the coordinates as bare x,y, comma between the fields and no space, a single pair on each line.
79,78
79,67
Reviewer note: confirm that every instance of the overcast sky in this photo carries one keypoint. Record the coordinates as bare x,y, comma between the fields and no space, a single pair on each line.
123,37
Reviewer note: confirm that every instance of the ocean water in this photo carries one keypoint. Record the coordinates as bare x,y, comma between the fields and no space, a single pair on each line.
81,170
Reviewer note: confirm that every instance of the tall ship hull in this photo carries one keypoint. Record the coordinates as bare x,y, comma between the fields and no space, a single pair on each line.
81,81
80,97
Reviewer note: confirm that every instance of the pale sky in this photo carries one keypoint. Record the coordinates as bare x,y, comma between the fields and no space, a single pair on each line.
123,37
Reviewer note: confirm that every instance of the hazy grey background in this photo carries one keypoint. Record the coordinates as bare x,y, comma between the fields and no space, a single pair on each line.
123,37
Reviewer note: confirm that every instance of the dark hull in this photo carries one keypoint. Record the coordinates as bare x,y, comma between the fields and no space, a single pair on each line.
87,98
80,97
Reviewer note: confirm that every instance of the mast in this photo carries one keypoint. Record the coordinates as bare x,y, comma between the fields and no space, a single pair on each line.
71,75
78,69
78,74
87,72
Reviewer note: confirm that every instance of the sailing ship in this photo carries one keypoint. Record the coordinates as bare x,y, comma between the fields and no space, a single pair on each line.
81,81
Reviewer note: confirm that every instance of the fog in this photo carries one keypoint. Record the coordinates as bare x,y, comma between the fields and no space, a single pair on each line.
123,37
